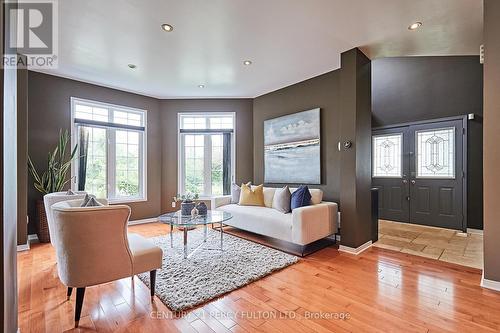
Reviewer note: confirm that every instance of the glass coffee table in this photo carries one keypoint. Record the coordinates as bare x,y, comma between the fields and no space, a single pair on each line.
186,222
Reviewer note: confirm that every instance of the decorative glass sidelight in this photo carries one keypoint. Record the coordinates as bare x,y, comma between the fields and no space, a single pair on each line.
387,152
435,153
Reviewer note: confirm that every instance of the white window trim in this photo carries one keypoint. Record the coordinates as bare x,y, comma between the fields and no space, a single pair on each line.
110,165
181,150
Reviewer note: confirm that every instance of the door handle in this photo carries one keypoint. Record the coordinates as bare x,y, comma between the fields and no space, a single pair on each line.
413,181
405,181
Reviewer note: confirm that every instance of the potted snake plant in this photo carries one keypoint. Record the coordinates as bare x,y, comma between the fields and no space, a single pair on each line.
52,179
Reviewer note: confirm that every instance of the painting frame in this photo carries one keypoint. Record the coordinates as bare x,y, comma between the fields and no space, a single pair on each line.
292,148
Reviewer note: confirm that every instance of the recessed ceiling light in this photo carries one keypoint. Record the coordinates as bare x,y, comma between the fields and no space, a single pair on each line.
415,26
201,86
132,66
247,62
167,27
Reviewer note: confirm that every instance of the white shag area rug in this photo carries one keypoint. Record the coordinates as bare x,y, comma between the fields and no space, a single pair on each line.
184,283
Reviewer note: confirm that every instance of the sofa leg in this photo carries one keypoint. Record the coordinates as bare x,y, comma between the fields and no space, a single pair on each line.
68,293
152,282
80,293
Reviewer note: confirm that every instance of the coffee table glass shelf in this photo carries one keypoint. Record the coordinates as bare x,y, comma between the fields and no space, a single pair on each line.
188,222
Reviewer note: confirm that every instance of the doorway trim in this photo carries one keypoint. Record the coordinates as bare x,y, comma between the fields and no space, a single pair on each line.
465,176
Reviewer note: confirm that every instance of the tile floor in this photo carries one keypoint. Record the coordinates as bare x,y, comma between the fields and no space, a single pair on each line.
435,243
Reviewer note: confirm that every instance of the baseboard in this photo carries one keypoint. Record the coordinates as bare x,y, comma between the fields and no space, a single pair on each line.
33,238
23,247
490,284
355,250
474,231
143,221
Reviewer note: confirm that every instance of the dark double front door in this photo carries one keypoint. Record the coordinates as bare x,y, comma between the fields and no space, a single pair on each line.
419,172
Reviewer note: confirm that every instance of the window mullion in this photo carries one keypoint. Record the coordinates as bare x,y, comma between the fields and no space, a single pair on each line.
182,166
208,164
111,160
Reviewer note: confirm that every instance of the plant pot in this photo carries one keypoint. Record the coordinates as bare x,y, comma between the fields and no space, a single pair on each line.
43,225
187,207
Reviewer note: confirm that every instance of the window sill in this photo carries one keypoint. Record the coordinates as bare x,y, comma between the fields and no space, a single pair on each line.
124,201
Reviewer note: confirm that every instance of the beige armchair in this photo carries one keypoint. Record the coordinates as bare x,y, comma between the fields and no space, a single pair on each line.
93,247
53,198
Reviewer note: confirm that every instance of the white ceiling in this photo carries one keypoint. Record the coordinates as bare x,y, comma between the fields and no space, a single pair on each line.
287,40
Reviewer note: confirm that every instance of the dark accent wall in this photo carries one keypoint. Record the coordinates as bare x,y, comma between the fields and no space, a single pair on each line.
344,99
320,92
411,89
491,140
50,110
419,88
169,118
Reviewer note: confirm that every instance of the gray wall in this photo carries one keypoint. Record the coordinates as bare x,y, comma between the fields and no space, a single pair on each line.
422,88
344,97
319,92
491,140
50,110
244,138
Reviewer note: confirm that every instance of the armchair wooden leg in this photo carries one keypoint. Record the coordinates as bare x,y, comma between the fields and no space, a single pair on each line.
80,292
152,282
68,294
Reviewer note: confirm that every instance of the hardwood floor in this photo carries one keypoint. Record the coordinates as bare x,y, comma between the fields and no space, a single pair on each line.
377,291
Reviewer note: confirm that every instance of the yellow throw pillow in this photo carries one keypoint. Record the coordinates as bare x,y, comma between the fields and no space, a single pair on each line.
249,197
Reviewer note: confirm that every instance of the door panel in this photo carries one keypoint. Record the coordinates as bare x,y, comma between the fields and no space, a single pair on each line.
446,206
397,198
390,171
436,170
422,199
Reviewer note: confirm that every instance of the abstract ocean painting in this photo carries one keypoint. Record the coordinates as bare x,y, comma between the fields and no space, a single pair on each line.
292,153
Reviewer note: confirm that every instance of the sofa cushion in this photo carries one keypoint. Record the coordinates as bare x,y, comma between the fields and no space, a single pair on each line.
249,197
316,195
236,192
87,199
260,220
93,203
301,197
282,199
268,195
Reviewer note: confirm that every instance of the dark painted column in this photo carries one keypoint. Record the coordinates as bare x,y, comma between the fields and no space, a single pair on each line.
355,172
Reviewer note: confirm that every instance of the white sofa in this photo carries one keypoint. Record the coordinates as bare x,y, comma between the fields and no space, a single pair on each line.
302,226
